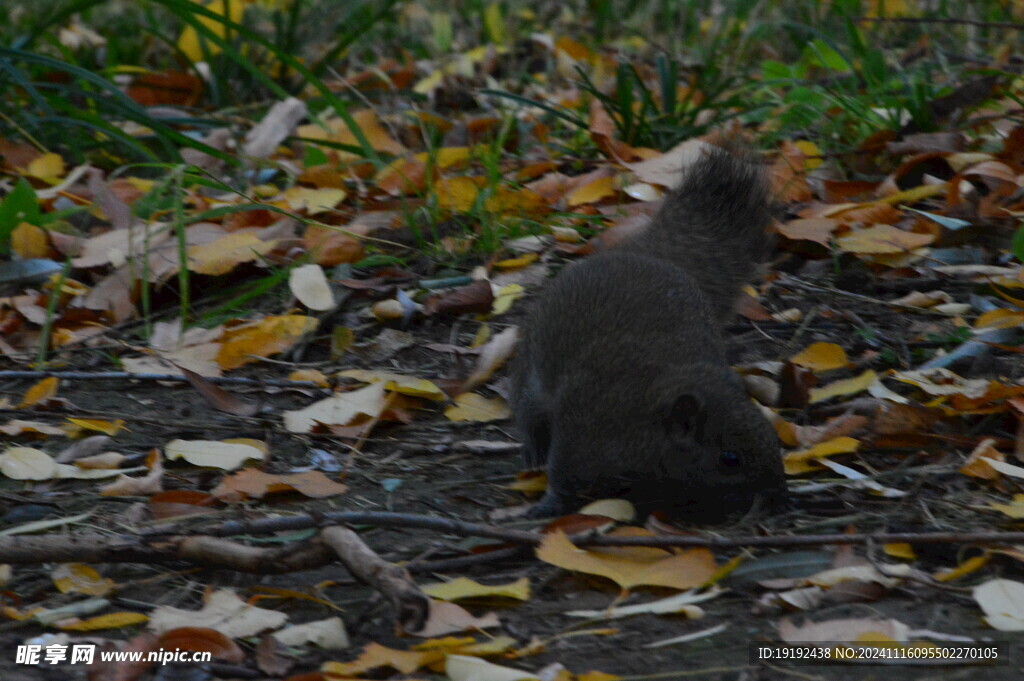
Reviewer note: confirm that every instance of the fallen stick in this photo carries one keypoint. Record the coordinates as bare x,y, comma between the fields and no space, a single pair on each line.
411,605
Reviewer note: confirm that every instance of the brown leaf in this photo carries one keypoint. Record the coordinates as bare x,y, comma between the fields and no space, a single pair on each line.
219,398
472,298
256,484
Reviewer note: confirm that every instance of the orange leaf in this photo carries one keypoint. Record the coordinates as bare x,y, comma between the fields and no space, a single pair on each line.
40,392
269,336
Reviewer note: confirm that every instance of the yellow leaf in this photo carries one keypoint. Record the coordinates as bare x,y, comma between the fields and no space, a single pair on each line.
1000,318
1014,509
336,130
881,239
313,201
456,194
198,48
113,620
846,386
49,168
800,461
504,298
685,570
40,392
224,254
507,201
900,550
889,8
429,83
473,407
269,336
530,482
495,24
105,427
375,655
445,157
821,357
463,587
311,376
969,566
811,151
406,385
591,192
912,196
29,241
79,578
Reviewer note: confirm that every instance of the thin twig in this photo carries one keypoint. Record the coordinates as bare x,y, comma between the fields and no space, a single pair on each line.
124,375
945,20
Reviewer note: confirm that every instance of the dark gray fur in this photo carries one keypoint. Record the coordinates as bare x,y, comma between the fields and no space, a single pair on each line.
622,376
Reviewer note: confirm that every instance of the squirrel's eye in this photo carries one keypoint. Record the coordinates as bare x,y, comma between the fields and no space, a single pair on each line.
730,459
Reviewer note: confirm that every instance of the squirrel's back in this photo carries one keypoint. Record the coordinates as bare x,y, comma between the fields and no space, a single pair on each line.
713,225
622,371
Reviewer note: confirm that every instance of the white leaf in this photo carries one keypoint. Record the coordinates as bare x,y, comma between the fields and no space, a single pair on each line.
309,284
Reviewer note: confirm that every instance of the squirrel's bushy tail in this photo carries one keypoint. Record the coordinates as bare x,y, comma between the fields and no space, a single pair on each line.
714,224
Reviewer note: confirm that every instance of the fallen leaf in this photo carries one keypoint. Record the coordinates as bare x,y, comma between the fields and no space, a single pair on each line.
313,201
256,484
309,284
82,579
448,618
883,239
213,454
340,409
1002,600
477,408
821,357
688,569
112,620
223,255
109,428
329,634
202,639
492,355
404,385
266,337
466,668
375,656
223,611
801,461
846,386
40,392
464,588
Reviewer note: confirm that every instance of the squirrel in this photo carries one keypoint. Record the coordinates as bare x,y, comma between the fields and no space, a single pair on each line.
622,373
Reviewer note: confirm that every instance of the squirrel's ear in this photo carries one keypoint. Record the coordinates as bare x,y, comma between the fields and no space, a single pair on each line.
684,415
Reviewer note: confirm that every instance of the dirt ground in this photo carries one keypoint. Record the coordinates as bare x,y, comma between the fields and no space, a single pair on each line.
419,468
